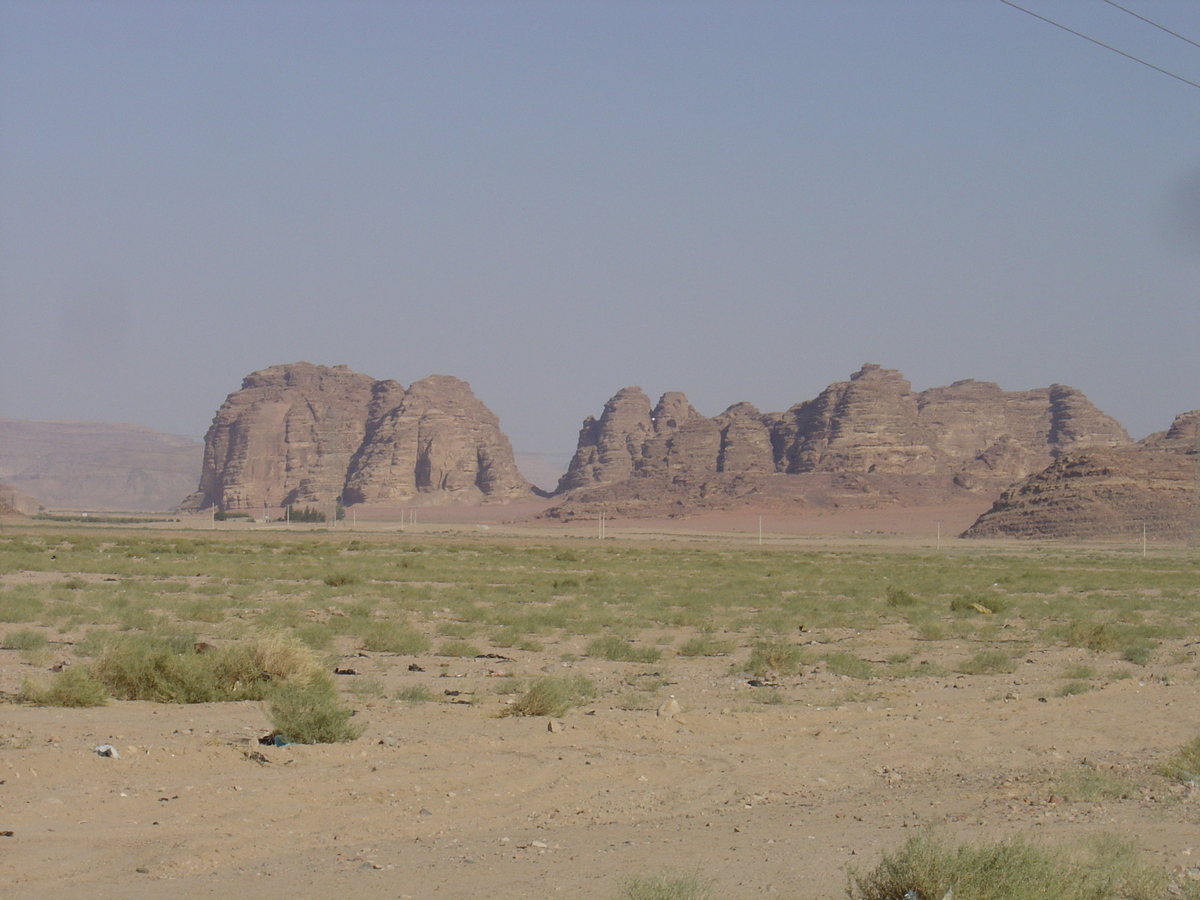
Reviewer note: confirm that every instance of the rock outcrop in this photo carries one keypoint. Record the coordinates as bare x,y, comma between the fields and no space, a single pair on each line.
439,439
1107,493
313,435
872,436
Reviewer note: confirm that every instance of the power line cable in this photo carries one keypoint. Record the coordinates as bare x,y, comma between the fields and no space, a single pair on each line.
1101,43
1150,22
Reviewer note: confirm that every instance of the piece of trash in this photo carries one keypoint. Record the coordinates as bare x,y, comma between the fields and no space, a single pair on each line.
281,741
6,834
108,750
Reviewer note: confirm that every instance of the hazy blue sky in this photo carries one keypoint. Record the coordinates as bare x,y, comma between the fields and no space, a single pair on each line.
740,200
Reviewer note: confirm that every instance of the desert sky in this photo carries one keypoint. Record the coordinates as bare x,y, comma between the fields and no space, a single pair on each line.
740,200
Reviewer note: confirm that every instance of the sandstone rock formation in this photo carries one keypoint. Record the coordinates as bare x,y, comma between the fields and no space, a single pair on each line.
437,439
872,436
111,466
1105,493
306,434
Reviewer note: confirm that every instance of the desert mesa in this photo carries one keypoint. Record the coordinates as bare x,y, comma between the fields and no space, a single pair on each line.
298,434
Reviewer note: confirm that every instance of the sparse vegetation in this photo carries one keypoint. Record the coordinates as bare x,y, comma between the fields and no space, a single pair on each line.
614,648
1184,764
311,714
848,665
988,662
926,867
666,887
550,696
73,687
774,658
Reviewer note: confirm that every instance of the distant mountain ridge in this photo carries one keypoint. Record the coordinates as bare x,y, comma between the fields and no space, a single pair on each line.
869,440
97,465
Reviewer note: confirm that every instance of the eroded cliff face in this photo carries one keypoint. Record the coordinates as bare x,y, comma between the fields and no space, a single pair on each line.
1107,493
439,439
870,435
306,434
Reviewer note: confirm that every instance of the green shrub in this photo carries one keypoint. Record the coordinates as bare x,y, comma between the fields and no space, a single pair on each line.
988,662
774,657
895,596
169,670
1138,651
1184,765
1071,688
73,687
310,714
981,605
25,639
705,646
1013,869
843,663
458,649
1079,671
666,887
416,693
1095,636
393,637
613,648
341,579
550,696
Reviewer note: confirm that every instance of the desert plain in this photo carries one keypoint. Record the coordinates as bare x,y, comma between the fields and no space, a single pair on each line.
766,714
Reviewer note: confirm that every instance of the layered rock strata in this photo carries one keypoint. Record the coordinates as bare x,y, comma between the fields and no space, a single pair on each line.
872,435
306,434
1109,493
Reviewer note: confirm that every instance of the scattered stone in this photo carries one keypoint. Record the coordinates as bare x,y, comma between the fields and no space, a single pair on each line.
413,667
669,709
345,672
554,726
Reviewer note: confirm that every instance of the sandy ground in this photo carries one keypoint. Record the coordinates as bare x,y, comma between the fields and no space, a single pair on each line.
449,799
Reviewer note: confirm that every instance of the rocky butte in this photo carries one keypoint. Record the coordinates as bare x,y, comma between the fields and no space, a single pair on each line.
867,441
1099,493
306,434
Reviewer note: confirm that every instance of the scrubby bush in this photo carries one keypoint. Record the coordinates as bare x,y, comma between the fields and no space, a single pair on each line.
1013,869
843,663
550,696
666,887
169,670
1184,764
988,662
614,648
310,714
705,646
393,637
774,658
73,687
895,596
